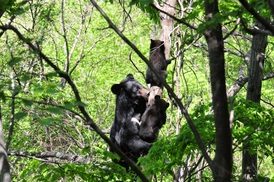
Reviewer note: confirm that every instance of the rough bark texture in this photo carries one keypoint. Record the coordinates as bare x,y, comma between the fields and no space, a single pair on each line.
223,156
167,24
4,164
271,7
255,77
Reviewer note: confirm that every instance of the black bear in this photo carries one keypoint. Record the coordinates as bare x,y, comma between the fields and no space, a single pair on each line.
131,98
153,119
158,60
131,143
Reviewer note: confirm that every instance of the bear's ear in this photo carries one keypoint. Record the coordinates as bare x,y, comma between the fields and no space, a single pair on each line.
152,44
166,105
116,88
163,46
130,76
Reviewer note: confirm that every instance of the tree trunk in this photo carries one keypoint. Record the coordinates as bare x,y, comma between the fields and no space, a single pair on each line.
255,76
223,156
167,24
4,164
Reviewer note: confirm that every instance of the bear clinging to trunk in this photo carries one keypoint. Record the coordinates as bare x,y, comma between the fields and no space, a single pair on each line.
153,119
158,60
131,98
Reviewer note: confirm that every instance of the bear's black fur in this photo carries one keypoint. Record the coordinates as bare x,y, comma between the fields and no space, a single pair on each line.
131,99
131,143
158,60
153,119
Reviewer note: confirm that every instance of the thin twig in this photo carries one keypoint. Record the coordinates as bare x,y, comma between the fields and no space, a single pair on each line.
175,18
50,104
52,154
132,62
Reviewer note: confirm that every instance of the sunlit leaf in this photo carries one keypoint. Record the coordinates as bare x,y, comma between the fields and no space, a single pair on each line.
20,115
81,104
55,110
46,121
52,74
68,105
27,102
25,78
14,61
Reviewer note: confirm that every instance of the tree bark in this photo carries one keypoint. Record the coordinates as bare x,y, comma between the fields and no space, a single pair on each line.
223,156
255,77
167,23
4,163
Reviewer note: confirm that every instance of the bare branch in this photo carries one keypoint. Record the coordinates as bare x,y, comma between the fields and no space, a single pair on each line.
8,23
12,112
175,18
259,18
77,115
268,76
240,82
264,101
233,30
132,62
255,30
236,87
50,156
4,166
66,67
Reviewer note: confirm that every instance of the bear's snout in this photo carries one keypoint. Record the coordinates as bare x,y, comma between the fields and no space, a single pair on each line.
144,93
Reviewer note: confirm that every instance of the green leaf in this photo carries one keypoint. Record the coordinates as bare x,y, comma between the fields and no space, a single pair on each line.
14,61
55,110
48,121
38,90
2,96
25,78
27,102
20,115
52,74
85,150
81,104
68,105
45,121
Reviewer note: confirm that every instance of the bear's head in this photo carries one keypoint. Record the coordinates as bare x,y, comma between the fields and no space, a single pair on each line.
157,44
131,88
153,119
160,104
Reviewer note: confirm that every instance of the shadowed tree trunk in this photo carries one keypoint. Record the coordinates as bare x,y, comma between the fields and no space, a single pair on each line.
223,156
4,163
255,76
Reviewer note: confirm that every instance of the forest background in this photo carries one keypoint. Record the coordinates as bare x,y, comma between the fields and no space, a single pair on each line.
59,60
